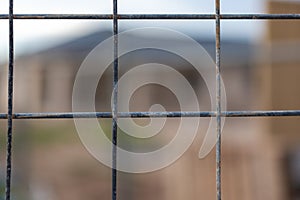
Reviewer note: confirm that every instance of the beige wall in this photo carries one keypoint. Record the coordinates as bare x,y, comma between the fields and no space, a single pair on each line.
283,39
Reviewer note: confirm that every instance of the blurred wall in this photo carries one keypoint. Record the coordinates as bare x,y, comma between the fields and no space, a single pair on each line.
280,83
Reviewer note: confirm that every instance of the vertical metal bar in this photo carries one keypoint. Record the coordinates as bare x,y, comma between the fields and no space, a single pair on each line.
218,100
115,101
10,102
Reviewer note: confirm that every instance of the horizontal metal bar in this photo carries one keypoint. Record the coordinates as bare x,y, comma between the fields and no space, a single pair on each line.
70,115
166,16
211,16
155,16
58,16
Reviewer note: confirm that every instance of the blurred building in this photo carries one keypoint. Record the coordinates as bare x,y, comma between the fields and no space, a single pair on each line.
253,166
44,80
280,81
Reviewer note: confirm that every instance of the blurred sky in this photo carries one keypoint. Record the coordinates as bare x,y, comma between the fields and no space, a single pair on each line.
32,35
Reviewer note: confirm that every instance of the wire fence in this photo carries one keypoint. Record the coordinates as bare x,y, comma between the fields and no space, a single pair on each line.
218,17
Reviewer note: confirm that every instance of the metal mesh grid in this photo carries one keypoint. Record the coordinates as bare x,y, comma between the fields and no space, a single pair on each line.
10,116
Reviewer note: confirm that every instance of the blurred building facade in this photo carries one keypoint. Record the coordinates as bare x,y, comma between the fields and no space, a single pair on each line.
252,162
280,82
44,80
